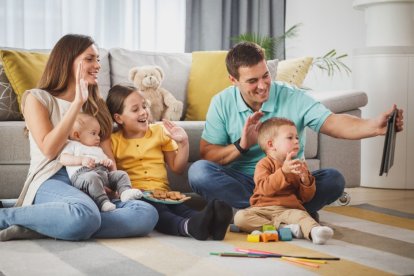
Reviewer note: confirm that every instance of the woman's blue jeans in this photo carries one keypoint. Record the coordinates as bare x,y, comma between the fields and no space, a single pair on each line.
213,181
62,211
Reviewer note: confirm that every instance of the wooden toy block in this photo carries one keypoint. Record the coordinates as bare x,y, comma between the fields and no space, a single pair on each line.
268,227
266,237
253,238
285,234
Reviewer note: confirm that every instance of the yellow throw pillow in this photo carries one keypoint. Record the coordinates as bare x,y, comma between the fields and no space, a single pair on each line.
23,69
293,71
208,76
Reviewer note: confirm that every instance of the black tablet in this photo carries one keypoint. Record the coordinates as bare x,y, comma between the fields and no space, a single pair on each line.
389,145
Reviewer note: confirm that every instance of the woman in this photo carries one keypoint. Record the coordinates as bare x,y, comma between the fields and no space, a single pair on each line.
51,206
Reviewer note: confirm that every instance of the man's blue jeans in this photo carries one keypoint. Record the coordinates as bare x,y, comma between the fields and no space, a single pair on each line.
211,181
62,211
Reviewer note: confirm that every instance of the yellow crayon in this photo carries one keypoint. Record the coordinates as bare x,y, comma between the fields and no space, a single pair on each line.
311,261
294,260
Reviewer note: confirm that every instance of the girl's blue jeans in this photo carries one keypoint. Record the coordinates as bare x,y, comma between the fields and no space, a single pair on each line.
213,181
62,211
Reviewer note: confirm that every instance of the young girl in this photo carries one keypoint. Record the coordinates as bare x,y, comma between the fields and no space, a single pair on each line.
142,149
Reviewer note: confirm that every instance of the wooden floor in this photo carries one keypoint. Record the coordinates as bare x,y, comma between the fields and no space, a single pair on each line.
401,200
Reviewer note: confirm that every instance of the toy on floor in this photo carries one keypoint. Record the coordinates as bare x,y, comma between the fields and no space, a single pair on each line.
270,234
253,238
285,234
266,237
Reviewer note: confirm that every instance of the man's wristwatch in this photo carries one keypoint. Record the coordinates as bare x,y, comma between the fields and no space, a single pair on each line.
239,148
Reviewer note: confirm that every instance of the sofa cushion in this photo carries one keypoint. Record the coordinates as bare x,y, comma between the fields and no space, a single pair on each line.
23,69
9,108
294,71
14,144
176,67
208,75
104,76
14,158
104,81
12,180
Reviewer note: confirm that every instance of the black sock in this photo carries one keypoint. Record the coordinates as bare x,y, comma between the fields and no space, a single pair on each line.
223,214
199,223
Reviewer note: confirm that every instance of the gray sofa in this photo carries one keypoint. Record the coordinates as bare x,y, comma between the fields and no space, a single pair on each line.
321,151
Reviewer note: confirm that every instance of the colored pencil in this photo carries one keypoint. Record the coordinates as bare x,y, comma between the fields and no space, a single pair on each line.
275,255
294,260
310,260
233,254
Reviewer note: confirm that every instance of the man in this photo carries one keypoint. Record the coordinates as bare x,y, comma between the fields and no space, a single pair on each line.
229,141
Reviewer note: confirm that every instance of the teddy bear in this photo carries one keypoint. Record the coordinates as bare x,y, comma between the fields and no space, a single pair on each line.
162,104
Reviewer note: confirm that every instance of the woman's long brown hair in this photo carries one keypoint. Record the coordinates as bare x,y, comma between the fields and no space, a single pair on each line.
57,74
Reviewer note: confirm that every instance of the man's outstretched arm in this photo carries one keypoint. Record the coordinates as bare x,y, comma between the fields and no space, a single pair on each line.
351,127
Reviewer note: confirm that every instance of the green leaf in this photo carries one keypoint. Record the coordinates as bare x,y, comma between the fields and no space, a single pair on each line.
329,62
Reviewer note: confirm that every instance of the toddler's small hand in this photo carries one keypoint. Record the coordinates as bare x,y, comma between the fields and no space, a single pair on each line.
88,162
106,163
291,166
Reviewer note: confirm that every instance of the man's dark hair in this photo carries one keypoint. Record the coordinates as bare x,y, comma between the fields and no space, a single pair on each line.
244,54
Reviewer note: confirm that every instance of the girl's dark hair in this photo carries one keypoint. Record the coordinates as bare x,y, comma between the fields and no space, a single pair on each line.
243,54
116,98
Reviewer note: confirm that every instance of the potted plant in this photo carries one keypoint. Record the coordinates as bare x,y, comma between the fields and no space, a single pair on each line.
330,62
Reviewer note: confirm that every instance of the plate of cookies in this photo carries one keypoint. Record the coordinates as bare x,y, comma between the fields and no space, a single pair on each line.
166,197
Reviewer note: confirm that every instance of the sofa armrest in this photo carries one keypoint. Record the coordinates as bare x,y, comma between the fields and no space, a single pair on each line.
343,155
341,101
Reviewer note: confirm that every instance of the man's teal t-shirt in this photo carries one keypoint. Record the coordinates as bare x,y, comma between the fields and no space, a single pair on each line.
228,113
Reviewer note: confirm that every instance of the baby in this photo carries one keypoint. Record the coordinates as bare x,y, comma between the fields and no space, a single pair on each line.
88,166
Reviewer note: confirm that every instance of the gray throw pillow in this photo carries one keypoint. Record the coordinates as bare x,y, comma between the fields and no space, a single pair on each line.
9,107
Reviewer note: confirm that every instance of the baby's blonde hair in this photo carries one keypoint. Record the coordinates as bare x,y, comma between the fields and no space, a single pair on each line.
80,122
269,129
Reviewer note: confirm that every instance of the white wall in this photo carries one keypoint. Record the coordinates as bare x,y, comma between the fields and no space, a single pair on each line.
326,25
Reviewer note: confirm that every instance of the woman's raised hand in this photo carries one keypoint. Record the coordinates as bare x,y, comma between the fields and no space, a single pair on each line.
81,85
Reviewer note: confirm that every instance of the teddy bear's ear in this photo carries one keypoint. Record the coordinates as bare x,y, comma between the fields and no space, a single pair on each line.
159,69
132,73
